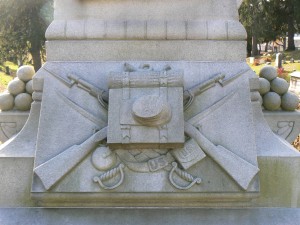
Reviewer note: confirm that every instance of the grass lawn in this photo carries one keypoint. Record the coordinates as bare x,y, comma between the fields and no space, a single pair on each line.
287,66
4,78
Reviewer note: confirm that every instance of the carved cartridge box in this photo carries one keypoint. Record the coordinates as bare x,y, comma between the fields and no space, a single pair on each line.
146,109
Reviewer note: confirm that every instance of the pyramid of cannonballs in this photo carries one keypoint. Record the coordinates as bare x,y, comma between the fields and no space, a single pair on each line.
274,91
19,91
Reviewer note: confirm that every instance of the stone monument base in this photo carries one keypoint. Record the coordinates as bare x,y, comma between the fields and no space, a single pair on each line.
60,169
191,216
278,174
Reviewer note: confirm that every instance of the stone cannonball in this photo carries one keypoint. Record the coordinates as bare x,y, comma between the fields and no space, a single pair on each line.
272,101
16,86
264,86
280,86
268,72
23,101
29,88
25,73
6,101
289,101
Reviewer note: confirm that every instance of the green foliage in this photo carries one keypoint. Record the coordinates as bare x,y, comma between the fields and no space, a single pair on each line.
293,54
257,18
22,27
4,80
266,20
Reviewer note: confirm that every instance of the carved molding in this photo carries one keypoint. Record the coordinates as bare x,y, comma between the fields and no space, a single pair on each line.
8,129
285,128
145,30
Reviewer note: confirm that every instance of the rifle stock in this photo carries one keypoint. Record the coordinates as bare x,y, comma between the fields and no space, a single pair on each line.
237,168
56,168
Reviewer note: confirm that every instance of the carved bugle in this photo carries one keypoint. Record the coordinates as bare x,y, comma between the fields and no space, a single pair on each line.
56,168
241,171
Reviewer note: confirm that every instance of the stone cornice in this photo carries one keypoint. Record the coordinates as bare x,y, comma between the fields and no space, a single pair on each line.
93,29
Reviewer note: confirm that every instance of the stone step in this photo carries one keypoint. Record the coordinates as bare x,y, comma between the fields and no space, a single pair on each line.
157,216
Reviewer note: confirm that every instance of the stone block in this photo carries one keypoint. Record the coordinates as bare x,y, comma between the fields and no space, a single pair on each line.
236,31
136,30
138,50
197,30
176,30
217,30
56,30
95,29
38,84
75,29
156,30
115,29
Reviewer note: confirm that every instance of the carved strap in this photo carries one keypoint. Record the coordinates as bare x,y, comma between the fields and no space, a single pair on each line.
126,86
163,93
126,136
147,79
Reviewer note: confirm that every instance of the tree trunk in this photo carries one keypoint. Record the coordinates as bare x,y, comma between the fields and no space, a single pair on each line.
35,52
284,43
249,45
20,60
266,46
254,46
291,26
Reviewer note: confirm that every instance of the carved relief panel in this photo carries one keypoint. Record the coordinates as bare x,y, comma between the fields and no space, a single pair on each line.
152,130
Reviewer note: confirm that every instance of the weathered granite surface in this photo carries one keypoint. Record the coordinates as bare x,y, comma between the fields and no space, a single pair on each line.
259,216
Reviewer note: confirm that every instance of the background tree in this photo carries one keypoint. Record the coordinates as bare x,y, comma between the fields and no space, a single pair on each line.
290,16
22,29
267,20
253,15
